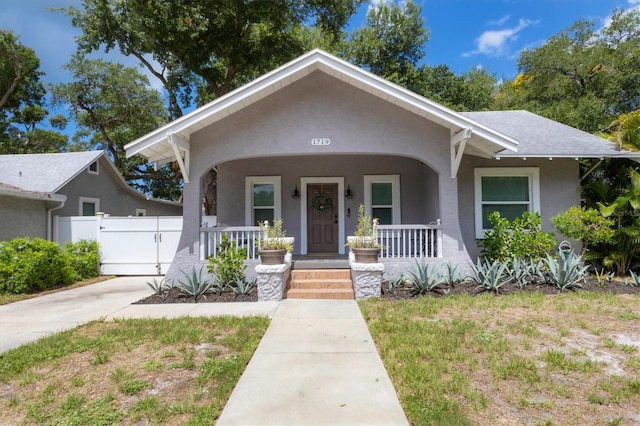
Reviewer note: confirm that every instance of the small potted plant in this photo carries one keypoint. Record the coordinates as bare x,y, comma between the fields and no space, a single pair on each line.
364,244
274,243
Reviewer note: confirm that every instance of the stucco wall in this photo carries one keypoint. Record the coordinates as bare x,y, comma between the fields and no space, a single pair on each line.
559,190
320,106
20,217
114,198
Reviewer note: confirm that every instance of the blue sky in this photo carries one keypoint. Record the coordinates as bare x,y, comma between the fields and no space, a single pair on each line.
462,33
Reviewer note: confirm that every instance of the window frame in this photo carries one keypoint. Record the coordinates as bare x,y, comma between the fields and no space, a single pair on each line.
141,212
394,180
533,175
88,200
96,171
250,181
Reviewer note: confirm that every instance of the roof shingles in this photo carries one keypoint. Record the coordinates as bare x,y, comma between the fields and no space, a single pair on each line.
44,173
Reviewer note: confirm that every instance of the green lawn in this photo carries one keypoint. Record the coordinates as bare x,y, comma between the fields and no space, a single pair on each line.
524,358
178,371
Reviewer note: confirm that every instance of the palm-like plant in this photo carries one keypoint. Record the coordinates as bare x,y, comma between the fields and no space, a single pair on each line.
625,210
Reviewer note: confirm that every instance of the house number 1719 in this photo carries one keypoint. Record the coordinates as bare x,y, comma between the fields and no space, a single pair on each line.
320,141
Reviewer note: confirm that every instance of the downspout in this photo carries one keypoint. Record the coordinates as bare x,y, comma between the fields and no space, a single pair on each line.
49,219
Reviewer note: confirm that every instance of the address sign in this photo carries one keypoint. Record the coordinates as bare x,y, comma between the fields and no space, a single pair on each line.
320,141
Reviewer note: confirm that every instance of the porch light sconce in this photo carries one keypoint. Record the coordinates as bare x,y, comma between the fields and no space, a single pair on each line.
348,193
296,193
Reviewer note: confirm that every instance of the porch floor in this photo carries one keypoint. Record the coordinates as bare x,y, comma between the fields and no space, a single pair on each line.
320,261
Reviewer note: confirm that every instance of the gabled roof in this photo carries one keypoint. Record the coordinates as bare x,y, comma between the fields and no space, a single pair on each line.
40,176
45,173
541,137
171,142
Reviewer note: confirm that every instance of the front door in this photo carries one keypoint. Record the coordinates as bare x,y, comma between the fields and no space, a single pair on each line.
322,218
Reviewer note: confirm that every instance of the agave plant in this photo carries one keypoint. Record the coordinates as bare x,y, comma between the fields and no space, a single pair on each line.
490,276
567,271
195,284
635,277
161,288
424,277
242,287
452,275
520,271
393,285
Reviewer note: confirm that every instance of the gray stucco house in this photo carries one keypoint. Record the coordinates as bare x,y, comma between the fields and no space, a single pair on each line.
319,128
34,187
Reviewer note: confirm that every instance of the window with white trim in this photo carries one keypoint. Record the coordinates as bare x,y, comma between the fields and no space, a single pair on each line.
141,212
88,206
382,198
508,190
262,199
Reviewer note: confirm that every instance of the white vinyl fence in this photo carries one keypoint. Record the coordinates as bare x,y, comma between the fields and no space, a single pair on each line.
142,245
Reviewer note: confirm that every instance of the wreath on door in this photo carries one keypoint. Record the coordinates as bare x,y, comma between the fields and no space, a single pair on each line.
321,203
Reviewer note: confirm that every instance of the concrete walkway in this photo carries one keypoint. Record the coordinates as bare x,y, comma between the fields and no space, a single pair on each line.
316,365
28,320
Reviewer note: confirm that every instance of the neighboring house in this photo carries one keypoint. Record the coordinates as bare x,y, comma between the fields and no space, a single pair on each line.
320,128
34,187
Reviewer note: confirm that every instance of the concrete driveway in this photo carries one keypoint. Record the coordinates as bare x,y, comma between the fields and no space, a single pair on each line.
28,320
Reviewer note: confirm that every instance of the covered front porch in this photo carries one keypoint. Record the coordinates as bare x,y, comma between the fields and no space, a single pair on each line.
318,199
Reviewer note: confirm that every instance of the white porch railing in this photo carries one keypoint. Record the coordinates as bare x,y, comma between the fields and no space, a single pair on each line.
398,241
243,236
403,241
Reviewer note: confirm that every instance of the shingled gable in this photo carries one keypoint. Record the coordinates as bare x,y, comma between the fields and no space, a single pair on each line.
44,173
171,142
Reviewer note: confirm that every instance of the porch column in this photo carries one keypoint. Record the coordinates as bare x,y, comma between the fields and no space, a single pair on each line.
187,254
453,248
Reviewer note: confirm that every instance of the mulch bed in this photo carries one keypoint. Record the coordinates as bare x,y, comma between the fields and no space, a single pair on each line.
592,285
174,295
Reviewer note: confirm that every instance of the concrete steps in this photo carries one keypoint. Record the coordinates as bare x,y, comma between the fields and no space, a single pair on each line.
320,284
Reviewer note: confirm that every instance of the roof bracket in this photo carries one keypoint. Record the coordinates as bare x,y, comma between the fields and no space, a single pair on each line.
181,146
458,144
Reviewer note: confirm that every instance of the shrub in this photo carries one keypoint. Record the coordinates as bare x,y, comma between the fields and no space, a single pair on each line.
522,238
84,258
583,224
30,265
228,265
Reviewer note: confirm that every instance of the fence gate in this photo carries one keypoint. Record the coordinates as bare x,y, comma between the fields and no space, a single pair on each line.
128,245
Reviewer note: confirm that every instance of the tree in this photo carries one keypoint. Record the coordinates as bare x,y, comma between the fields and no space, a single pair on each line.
113,105
21,102
391,43
202,50
581,77
625,131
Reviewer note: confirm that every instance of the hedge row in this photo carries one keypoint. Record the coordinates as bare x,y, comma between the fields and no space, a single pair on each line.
32,265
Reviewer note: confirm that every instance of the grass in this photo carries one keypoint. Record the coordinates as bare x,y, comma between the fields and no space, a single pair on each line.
524,358
166,371
6,298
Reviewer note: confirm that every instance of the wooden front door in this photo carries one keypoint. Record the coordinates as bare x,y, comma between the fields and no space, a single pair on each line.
322,218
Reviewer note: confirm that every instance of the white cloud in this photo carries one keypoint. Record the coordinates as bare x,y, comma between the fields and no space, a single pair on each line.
497,42
500,21
633,1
